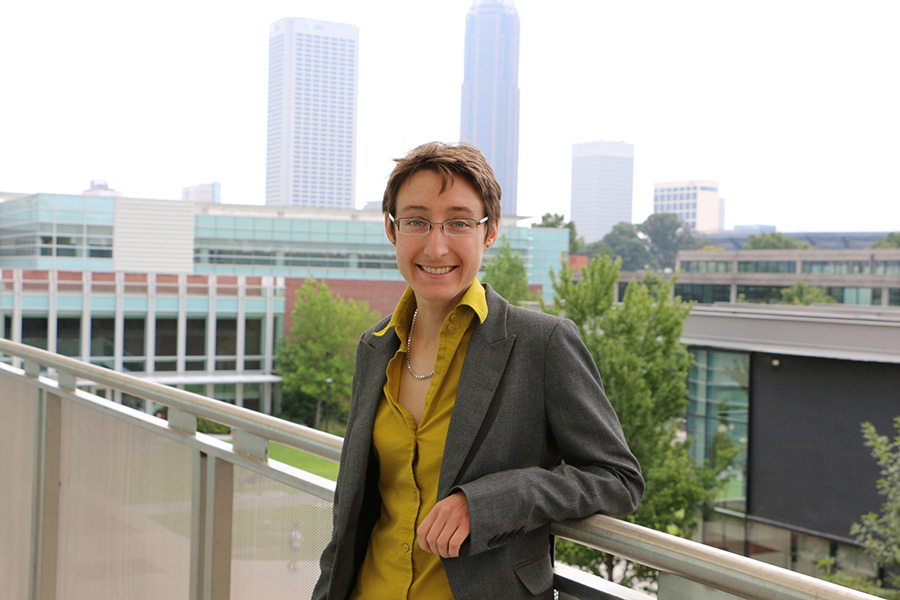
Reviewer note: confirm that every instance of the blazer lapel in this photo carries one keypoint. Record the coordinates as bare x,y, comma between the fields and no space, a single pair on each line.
486,359
371,367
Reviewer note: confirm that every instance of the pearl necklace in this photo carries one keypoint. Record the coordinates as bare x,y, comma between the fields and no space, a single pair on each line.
412,328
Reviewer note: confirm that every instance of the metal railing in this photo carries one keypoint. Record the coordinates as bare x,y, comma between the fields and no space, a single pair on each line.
102,501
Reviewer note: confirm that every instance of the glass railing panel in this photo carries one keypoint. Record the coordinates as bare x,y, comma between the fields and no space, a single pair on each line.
269,559
124,517
17,426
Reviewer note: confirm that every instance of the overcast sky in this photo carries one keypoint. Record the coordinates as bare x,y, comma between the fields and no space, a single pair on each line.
792,106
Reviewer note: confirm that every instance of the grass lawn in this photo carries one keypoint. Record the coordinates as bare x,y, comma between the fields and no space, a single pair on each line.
297,458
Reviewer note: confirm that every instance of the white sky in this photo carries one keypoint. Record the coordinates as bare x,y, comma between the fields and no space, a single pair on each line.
793,106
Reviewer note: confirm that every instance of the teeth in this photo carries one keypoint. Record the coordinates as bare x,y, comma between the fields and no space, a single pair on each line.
436,270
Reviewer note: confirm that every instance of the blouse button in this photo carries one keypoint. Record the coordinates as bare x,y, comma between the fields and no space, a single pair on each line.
451,327
405,548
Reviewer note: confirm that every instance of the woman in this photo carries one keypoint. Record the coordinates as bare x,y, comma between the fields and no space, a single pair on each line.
473,423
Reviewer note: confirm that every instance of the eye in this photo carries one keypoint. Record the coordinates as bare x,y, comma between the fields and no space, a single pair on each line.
460,224
416,223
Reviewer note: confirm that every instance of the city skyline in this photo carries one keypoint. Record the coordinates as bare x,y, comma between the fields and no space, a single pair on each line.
796,118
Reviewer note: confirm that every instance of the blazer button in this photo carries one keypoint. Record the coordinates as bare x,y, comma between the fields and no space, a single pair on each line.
405,548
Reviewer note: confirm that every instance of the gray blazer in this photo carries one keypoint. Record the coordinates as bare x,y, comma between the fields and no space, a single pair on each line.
532,439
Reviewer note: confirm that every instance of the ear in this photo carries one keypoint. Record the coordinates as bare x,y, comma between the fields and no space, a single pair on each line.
493,233
389,230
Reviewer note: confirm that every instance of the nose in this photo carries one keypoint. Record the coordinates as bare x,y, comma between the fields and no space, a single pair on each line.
436,243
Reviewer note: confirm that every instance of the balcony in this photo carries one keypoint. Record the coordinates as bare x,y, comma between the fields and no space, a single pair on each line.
103,501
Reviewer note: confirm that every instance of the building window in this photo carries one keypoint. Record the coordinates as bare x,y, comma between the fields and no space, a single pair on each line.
706,266
856,295
767,266
840,267
103,342
134,345
68,336
717,417
760,294
894,297
887,267
703,293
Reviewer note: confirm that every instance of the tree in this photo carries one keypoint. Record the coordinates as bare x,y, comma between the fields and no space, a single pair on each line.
320,345
774,241
878,534
576,244
505,271
802,293
644,367
666,235
891,240
624,242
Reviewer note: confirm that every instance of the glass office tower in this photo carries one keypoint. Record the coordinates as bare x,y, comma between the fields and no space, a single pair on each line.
490,91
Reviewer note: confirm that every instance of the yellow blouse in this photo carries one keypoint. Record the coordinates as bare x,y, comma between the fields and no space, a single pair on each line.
409,459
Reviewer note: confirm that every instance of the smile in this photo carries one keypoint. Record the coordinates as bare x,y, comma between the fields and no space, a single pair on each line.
436,270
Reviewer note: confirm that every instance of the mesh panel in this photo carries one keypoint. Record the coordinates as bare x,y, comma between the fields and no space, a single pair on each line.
125,501
17,407
265,514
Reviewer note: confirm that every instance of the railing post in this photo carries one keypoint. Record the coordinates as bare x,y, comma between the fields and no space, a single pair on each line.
219,486
45,516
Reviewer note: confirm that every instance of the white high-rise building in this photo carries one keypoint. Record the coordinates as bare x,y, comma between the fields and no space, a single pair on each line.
697,204
311,139
602,184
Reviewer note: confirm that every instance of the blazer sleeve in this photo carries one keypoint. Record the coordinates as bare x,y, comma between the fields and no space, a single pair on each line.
581,462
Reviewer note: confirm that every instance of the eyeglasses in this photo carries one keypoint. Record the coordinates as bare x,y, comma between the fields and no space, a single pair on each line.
454,227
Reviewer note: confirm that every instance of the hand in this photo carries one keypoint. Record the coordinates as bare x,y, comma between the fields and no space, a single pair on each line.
446,527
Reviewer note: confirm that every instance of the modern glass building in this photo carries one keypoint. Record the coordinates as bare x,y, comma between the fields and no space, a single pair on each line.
311,132
602,184
490,91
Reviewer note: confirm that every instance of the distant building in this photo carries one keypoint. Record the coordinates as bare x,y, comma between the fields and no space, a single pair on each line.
311,139
490,91
602,184
697,204
99,188
868,277
789,387
209,193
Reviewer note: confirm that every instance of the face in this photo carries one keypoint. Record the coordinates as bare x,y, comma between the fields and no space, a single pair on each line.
439,268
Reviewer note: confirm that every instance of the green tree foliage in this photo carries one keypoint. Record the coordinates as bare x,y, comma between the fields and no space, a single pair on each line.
576,244
623,242
320,345
644,366
774,241
802,293
891,240
505,271
879,534
666,235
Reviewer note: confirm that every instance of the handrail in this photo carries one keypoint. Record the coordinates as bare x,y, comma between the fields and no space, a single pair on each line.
732,573
726,571
305,438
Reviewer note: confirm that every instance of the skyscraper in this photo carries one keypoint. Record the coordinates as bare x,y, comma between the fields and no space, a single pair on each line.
602,180
490,91
311,134
696,203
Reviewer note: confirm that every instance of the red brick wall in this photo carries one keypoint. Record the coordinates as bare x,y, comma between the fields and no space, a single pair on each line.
382,296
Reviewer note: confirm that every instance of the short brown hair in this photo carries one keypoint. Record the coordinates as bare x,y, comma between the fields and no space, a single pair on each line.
448,161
